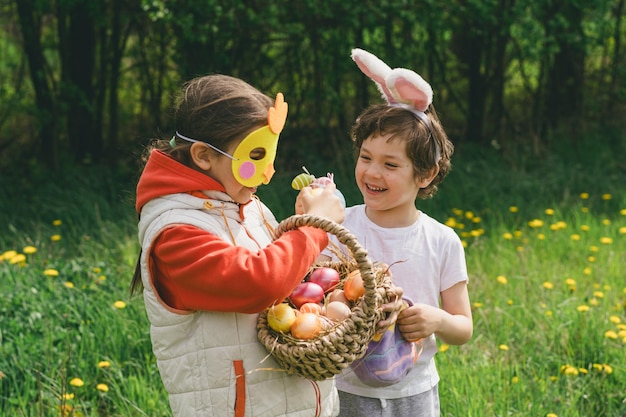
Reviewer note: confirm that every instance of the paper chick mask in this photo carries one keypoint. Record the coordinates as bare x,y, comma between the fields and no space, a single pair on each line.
253,159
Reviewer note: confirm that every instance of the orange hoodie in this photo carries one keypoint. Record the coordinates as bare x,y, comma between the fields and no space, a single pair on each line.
240,279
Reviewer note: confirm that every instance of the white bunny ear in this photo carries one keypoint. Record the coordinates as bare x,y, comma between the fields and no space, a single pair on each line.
375,69
410,88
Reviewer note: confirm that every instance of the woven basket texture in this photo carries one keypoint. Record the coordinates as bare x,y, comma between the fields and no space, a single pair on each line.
336,347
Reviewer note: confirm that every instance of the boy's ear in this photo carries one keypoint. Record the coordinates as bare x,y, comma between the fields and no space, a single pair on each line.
425,181
201,155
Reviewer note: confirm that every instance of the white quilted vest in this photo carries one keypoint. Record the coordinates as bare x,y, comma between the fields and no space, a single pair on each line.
200,354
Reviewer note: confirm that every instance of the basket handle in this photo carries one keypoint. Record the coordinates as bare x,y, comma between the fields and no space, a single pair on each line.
372,299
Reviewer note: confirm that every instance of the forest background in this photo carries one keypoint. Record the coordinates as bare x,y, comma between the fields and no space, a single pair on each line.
91,82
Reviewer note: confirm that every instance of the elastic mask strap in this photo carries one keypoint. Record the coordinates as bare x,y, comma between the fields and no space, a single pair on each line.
207,144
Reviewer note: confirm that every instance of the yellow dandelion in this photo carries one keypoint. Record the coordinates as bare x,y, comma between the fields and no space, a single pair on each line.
502,279
451,222
68,396
569,370
585,209
97,269
509,302
553,378
476,219
444,347
515,380
513,209
591,258
541,236
102,278
29,250
464,243
582,308
594,248
606,222
69,284
55,238
535,223
583,370
575,236
503,347
477,304
622,230
598,294
549,212
585,228
551,415
570,282
606,197
77,382
102,387
594,302
584,196
548,285
51,272
469,214
606,240
8,255
615,319
587,271
104,364
57,222
610,334
517,233
457,212
20,258
607,369
549,313
119,304
519,249
507,235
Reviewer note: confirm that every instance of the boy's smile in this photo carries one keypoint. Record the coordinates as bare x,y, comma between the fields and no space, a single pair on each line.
386,179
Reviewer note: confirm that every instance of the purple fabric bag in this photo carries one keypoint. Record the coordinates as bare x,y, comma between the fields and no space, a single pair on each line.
388,360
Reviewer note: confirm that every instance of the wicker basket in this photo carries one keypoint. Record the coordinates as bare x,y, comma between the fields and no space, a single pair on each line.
346,341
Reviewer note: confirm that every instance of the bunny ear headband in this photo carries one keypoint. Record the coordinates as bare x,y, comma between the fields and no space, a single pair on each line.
400,87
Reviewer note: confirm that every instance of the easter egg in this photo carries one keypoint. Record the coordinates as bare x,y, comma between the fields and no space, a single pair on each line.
336,310
327,278
280,317
353,286
306,292
301,181
306,326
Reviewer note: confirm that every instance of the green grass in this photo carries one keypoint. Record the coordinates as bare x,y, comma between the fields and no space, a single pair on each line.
549,297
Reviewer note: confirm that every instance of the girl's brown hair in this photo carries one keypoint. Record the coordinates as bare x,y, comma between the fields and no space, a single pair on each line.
216,109
426,147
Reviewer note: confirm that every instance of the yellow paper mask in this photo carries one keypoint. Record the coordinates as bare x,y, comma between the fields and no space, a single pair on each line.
253,159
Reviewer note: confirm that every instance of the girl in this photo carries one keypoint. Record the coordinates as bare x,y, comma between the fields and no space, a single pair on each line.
208,264
403,154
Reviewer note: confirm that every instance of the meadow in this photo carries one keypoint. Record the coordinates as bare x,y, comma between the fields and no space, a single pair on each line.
545,243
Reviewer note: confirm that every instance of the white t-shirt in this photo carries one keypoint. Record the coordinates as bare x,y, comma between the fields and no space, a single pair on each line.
425,258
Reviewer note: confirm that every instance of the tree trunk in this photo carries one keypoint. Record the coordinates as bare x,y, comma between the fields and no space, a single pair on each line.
81,46
47,141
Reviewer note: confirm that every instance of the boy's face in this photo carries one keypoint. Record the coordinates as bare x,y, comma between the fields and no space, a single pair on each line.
384,174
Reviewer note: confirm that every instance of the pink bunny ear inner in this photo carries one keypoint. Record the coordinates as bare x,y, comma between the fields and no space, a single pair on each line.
411,88
375,69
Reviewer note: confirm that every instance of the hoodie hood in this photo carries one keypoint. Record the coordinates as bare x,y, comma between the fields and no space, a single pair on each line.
163,175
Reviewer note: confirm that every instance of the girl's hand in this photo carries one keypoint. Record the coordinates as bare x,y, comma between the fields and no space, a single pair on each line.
321,202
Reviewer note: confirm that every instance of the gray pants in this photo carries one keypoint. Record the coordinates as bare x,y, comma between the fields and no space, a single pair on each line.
425,404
